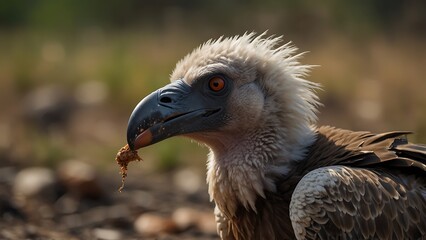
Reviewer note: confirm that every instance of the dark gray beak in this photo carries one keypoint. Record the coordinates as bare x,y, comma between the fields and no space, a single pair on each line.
175,109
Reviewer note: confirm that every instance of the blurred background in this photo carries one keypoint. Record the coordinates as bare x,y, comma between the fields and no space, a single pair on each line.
72,71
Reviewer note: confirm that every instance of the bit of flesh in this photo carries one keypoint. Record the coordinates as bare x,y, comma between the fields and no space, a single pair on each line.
124,156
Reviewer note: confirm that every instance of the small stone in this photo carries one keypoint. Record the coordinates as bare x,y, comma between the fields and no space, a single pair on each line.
35,182
190,217
151,224
80,179
66,204
185,217
107,234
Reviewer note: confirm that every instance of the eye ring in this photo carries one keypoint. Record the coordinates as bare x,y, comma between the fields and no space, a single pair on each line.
216,84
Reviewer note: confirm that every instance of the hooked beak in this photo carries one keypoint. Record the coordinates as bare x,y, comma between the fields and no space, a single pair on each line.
169,111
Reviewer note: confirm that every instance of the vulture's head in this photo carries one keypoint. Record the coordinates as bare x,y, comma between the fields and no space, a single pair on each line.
244,97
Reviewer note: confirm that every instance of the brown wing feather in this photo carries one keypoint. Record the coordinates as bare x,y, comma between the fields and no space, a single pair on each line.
328,204
363,149
378,193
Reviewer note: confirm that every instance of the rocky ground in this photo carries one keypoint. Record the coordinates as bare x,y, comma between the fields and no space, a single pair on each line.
75,202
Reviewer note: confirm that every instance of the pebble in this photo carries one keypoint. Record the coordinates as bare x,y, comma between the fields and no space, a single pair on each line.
189,217
35,182
80,179
185,217
107,234
151,224
67,204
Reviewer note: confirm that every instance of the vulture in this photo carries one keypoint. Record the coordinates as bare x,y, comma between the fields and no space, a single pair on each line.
271,171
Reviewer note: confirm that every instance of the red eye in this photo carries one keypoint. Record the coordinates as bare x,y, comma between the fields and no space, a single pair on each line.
216,84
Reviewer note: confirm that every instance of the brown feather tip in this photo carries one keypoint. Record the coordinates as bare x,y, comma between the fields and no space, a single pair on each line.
124,156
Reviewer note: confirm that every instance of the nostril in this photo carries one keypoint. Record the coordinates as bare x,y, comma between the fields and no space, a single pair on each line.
165,99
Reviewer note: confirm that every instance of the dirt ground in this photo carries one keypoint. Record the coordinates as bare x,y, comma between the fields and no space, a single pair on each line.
149,207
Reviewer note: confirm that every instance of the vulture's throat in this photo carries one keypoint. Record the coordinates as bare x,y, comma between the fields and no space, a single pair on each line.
248,166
